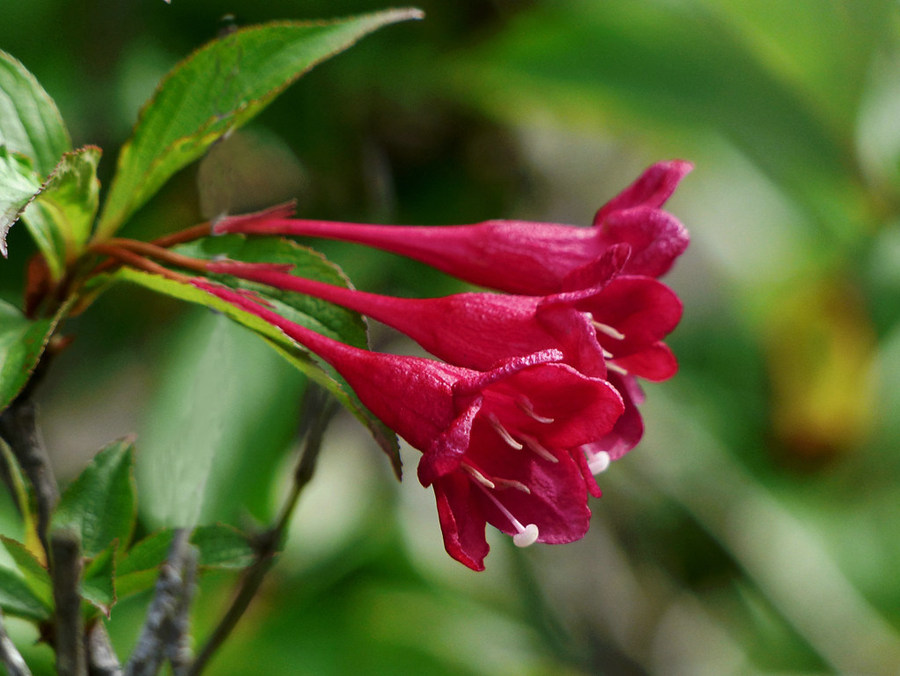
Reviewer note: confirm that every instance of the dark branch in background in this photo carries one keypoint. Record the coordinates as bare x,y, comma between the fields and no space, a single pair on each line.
319,410
18,427
164,635
65,570
9,656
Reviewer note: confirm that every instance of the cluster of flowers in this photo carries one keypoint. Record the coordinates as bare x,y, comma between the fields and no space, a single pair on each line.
537,391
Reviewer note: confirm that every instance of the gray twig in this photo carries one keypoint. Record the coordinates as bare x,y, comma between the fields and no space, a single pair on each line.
102,660
319,410
65,571
164,635
9,655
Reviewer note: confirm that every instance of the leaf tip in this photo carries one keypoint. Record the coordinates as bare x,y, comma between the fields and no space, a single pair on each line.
405,14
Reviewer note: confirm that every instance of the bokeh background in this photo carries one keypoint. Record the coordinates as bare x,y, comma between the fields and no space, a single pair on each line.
757,527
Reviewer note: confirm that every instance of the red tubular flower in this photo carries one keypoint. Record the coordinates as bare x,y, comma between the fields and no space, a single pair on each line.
619,325
494,443
519,256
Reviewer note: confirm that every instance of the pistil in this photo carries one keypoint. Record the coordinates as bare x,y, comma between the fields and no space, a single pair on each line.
525,535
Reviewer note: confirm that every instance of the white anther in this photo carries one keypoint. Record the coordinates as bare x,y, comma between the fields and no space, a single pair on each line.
525,404
504,434
608,330
615,368
598,462
527,537
607,354
535,446
478,476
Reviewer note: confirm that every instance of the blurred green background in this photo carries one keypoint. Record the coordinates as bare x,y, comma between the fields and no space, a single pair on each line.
756,529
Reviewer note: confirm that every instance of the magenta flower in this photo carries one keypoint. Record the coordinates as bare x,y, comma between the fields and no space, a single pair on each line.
519,256
494,443
618,325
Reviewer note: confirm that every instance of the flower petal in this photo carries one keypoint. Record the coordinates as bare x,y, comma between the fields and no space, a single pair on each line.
656,237
656,363
651,189
462,520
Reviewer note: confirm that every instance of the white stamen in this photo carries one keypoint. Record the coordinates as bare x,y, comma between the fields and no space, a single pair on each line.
608,330
505,435
525,404
535,446
478,476
512,483
615,368
525,535
598,462
607,354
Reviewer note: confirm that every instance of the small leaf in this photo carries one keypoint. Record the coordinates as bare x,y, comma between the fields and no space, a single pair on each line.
33,571
61,217
101,504
97,583
30,123
19,184
221,547
22,342
16,598
219,88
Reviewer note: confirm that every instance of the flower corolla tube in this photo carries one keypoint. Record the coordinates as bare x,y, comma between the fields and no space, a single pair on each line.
518,256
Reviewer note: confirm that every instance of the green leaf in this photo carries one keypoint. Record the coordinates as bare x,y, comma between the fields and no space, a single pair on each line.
101,504
295,355
222,396
98,581
22,342
61,217
219,88
17,598
30,123
325,318
221,548
18,186
33,571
